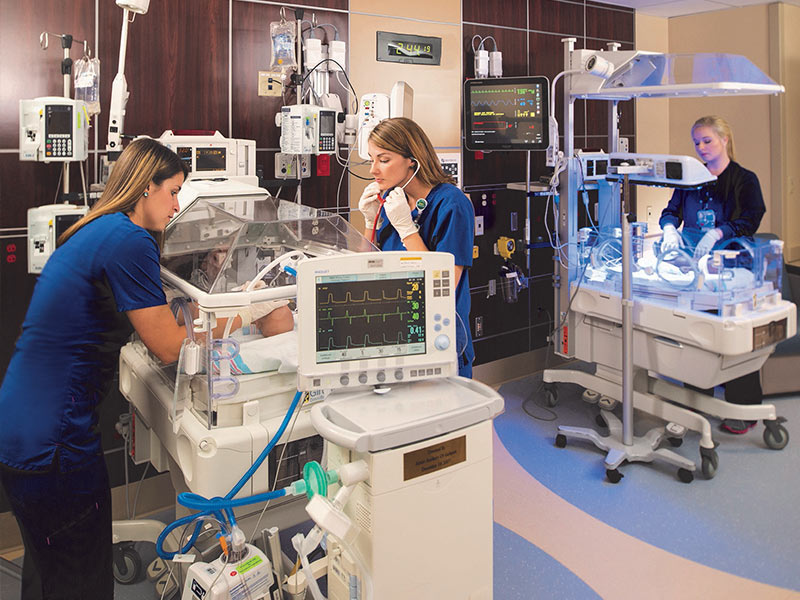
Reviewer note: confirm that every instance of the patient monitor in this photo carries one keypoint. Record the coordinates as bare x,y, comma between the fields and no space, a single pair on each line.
376,319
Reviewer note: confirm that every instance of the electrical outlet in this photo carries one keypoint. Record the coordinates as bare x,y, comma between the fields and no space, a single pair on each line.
479,225
623,145
269,83
649,213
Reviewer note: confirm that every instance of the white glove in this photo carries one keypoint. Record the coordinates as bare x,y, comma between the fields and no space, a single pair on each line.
671,239
369,204
707,242
252,313
399,213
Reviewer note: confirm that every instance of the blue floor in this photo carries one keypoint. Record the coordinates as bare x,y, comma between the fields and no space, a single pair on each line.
522,571
743,521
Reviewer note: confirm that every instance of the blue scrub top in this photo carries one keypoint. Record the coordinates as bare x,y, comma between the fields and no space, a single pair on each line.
447,224
66,356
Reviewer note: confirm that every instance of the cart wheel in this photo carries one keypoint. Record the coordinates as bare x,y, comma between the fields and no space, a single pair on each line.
127,564
708,466
561,441
776,436
601,422
675,442
614,475
550,395
685,475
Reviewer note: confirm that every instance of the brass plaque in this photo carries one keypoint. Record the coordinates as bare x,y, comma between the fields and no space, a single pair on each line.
434,458
770,333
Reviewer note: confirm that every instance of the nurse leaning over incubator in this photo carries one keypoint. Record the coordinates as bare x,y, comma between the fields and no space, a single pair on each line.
99,286
730,207
413,205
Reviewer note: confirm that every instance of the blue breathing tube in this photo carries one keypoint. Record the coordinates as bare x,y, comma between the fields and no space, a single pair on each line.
222,507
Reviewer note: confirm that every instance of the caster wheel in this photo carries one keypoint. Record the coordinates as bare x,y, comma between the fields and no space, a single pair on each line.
550,395
590,397
776,437
709,466
613,475
127,564
601,422
561,441
685,475
675,442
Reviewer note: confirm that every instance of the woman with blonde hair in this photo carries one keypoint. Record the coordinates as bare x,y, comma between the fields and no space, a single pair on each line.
732,206
413,205
99,286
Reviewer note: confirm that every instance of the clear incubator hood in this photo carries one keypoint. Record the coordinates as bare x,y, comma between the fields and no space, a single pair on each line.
210,251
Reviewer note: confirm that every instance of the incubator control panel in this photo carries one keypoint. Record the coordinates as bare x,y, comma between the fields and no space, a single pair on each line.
376,318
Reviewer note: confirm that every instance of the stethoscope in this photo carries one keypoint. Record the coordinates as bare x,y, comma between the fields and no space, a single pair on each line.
420,205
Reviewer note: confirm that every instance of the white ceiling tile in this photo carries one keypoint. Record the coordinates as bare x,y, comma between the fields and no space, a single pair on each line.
681,7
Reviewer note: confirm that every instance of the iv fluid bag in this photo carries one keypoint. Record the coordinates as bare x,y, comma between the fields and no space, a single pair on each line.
87,83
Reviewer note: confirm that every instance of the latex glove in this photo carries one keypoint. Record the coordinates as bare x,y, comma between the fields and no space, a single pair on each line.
257,310
369,203
707,242
399,213
670,239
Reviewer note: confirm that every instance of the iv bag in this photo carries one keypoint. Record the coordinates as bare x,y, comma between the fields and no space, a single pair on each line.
87,83
283,45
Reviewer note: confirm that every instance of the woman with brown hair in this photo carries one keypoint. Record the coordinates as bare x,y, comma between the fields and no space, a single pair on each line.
413,205
99,286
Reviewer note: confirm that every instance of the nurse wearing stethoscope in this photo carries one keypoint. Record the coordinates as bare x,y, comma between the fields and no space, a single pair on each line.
730,207
413,205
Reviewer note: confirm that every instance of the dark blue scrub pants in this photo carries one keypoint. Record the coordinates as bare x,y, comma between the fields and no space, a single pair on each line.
65,522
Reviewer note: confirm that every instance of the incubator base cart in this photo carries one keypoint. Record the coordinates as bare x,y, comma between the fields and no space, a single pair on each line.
641,315
423,519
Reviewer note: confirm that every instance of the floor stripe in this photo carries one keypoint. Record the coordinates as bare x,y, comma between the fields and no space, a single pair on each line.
612,563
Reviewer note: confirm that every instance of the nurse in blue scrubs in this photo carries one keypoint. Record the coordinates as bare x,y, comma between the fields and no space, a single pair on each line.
413,205
102,284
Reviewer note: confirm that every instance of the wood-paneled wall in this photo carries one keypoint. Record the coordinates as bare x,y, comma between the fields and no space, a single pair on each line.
529,34
192,64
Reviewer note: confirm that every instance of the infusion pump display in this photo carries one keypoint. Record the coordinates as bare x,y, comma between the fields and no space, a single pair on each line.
370,315
375,318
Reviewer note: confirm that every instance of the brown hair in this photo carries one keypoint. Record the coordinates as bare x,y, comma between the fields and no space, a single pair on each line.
406,138
144,161
721,127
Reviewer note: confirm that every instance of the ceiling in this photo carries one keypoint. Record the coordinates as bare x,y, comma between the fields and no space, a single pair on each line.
677,8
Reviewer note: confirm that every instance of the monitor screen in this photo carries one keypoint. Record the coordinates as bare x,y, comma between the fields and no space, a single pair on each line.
508,113
185,154
210,159
369,315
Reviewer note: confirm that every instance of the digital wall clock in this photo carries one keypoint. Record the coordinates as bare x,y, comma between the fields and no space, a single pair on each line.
408,48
